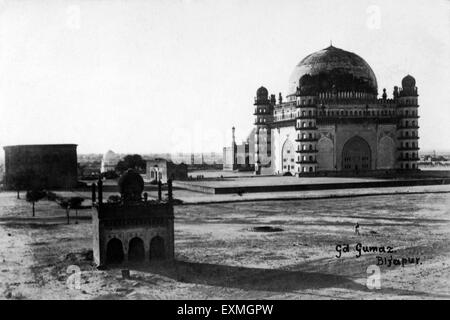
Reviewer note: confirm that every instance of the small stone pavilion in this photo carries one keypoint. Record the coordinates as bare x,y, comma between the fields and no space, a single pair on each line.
132,229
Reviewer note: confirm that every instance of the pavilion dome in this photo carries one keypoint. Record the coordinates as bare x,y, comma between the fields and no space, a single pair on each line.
262,93
408,82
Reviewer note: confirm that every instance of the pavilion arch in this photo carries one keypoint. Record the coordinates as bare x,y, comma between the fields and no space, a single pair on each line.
136,251
157,248
114,251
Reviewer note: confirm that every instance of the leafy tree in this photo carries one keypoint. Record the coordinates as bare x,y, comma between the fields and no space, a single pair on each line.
71,203
134,161
25,180
75,203
18,182
34,196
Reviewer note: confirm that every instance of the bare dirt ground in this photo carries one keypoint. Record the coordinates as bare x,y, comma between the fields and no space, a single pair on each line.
218,255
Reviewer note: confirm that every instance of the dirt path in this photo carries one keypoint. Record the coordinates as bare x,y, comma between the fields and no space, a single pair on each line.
219,256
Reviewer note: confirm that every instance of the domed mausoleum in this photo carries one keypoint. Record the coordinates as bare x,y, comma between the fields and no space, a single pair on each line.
109,161
333,120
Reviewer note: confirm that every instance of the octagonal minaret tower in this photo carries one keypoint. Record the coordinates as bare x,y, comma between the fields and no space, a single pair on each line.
263,117
407,126
306,127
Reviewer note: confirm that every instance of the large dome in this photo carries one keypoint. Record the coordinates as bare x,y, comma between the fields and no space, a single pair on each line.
334,69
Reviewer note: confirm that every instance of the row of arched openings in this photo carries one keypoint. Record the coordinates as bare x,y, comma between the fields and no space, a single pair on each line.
136,250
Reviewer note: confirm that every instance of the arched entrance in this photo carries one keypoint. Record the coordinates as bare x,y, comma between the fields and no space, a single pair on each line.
114,251
288,157
157,250
356,155
325,156
136,251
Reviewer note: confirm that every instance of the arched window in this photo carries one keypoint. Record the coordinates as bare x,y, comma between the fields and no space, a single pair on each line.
157,248
114,251
136,250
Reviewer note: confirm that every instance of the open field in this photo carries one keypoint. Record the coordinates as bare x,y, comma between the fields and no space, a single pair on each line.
218,255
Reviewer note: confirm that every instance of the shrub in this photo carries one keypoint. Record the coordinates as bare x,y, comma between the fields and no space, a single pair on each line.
114,199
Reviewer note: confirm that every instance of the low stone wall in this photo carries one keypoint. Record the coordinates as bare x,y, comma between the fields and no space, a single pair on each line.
319,186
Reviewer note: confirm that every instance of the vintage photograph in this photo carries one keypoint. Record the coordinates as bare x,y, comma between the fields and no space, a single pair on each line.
224,150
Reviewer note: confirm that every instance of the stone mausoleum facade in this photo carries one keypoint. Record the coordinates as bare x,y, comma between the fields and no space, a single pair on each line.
332,120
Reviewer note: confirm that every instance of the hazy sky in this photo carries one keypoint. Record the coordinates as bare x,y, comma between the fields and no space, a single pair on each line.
168,76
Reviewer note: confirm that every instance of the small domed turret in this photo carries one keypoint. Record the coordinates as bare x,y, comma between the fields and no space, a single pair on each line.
131,185
262,94
409,88
408,82
395,93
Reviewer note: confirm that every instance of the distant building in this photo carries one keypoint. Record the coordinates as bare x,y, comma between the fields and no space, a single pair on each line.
88,169
162,170
240,157
50,165
109,161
